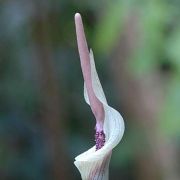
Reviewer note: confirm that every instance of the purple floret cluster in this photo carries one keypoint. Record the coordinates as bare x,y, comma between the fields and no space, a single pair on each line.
99,139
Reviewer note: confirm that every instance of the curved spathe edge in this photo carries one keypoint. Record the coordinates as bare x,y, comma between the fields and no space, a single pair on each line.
114,126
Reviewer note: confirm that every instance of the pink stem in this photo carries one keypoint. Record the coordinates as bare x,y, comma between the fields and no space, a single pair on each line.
96,105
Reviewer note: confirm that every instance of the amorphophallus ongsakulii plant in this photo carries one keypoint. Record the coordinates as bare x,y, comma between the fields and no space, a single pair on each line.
94,163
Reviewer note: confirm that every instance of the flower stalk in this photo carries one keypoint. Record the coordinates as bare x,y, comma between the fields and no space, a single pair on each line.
94,163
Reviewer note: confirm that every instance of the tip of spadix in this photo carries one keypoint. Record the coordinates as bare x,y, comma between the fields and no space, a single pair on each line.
77,16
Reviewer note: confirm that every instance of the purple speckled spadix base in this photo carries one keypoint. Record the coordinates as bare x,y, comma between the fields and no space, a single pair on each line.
99,139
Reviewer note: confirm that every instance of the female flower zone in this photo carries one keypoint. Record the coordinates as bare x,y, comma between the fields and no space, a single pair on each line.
94,163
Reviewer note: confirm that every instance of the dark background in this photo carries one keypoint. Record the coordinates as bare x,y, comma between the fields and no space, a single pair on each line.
44,120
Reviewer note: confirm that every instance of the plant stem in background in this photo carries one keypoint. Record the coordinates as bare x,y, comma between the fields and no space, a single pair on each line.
51,106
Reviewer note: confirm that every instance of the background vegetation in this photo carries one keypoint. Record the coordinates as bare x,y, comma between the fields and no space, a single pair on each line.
44,121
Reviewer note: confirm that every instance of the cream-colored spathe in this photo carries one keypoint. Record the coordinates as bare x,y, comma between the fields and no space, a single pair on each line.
94,165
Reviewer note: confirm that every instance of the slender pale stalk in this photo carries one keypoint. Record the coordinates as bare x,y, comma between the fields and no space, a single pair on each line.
95,103
94,163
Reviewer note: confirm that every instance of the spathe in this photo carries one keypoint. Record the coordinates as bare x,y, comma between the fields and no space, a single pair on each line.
92,164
